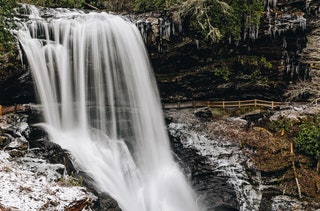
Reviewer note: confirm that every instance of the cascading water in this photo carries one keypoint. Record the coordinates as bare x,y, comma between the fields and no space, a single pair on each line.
100,102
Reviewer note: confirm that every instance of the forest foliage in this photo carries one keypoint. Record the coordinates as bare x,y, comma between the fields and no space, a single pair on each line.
6,39
217,19
308,138
213,20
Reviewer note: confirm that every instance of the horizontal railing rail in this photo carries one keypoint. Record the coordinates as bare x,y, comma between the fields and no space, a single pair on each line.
224,104
178,105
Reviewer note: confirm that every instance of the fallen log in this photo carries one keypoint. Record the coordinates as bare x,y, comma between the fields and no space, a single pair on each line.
91,6
295,171
15,108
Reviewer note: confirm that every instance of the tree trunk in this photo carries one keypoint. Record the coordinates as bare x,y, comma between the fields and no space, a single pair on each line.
295,171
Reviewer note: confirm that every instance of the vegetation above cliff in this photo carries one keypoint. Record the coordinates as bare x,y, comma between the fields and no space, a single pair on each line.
9,64
213,19
6,39
217,19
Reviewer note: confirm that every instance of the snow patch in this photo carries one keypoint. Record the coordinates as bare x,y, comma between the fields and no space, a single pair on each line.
30,184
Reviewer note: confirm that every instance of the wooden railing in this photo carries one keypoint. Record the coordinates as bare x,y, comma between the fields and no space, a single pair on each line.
223,104
178,105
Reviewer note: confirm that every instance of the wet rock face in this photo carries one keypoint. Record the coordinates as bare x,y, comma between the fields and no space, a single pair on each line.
106,203
17,89
211,184
214,189
259,158
185,68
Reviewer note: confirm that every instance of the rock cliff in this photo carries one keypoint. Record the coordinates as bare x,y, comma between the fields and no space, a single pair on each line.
282,52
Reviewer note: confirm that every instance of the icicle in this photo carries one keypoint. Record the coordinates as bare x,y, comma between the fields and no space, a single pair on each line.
180,25
270,29
160,22
284,42
297,69
197,43
257,32
302,21
288,68
308,6
274,3
173,29
167,29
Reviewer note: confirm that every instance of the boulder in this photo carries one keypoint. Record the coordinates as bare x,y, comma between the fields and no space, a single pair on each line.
20,143
5,139
16,153
106,203
203,113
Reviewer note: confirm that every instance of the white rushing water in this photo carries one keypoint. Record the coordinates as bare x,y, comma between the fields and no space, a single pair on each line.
100,102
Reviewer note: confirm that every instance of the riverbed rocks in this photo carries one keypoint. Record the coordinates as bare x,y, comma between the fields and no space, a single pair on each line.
203,113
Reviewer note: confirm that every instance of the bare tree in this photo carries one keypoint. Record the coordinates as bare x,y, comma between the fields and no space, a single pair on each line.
304,90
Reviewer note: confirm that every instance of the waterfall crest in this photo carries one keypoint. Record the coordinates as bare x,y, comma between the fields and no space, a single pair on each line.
100,102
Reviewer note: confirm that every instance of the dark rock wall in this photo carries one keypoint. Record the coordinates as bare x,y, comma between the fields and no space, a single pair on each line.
186,67
189,68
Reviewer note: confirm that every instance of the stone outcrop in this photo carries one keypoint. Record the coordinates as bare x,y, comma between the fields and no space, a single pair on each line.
269,162
29,182
43,169
188,68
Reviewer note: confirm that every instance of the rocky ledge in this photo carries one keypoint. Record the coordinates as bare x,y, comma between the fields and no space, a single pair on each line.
28,182
36,174
247,155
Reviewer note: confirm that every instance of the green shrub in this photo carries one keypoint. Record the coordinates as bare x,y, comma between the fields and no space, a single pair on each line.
6,39
308,139
223,73
282,124
218,19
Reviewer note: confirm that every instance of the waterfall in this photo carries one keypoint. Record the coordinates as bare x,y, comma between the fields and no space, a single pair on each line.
101,103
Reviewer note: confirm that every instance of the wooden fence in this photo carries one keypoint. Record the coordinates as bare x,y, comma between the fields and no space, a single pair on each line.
178,105
223,104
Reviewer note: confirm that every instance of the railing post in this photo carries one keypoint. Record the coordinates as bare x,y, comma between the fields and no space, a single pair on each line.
272,104
239,104
223,104
193,104
0,110
208,104
255,102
